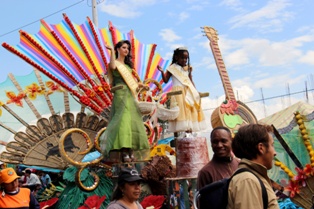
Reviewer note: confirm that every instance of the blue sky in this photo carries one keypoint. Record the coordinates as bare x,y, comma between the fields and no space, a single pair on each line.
266,45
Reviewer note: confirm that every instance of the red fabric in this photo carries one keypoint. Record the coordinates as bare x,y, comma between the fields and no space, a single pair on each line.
153,200
24,179
48,203
93,201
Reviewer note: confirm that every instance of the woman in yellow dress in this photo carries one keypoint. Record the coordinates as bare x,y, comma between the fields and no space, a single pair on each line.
191,117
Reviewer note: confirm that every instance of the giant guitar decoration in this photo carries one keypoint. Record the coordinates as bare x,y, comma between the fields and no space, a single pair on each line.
231,113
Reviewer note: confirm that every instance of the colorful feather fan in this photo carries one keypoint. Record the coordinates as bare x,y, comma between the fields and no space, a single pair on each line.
68,58
75,57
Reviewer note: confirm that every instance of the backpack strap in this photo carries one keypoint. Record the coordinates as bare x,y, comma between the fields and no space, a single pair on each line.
264,192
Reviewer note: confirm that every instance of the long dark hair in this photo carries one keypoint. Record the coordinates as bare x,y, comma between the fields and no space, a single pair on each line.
128,58
117,193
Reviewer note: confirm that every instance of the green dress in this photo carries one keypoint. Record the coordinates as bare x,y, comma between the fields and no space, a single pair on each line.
125,128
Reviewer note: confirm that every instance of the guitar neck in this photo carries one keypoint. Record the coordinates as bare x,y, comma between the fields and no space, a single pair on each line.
222,70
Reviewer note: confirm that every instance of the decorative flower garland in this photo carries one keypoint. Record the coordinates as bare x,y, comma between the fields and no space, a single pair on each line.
305,136
299,181
284,168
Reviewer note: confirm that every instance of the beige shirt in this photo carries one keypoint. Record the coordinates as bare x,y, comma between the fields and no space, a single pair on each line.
245,191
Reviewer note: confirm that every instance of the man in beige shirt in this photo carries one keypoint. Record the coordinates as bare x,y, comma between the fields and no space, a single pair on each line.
254,145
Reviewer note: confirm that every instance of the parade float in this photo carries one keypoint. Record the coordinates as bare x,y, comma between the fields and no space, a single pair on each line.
294,162
57,113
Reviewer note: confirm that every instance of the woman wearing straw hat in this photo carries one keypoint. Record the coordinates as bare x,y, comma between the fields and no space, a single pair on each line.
12,196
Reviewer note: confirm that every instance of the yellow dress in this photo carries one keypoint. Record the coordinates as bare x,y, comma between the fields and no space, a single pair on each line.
191,118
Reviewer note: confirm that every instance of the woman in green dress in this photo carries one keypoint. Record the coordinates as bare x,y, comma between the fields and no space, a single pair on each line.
125,132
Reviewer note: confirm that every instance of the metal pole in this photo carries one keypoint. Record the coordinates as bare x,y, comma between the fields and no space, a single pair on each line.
94,11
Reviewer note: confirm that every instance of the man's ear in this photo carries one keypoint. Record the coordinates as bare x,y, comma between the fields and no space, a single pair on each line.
261,148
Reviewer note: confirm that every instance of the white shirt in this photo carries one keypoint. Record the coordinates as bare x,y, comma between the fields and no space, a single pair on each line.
33,180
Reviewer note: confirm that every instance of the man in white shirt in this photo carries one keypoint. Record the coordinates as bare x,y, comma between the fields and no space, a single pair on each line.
33,181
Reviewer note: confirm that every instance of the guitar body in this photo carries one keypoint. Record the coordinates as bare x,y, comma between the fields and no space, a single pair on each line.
241,116
231,114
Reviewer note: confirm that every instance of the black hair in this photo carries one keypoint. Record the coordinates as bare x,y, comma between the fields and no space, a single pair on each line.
28,171
128,58
179,52
19,173
117,193
219,128
245,142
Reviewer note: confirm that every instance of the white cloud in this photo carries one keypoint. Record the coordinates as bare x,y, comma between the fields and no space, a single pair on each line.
279,80
245,51
271,107
308,58
183,16
194,1
205,63
231,3
168,55
306,29
243,93
168,35
238,57
277,53
125,8
196,8
259,108
268,18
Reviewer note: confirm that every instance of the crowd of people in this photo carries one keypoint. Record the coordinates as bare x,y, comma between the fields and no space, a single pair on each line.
16,182
251,148
33,179
14,194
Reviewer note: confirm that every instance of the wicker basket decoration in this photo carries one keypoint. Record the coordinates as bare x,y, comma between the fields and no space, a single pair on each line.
147,100
146,107
167,114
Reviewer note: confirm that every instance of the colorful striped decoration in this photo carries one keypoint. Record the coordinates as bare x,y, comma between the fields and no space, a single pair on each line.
75,53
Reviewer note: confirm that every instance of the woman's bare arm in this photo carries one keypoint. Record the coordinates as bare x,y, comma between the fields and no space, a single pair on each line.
165,76
190,75
112,65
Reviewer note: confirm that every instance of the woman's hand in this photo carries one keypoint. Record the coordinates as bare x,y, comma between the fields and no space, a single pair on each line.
112,65
165,76
160,68
108,47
